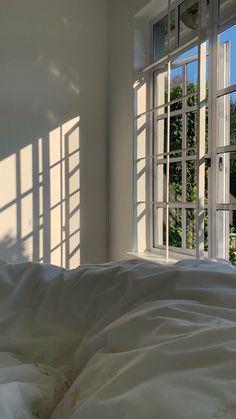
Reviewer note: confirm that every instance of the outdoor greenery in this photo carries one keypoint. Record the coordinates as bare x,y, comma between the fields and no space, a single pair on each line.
176,126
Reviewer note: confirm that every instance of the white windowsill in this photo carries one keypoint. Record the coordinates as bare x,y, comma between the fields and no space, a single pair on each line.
153,257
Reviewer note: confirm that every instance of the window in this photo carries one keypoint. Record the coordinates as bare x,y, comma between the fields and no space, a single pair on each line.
189,119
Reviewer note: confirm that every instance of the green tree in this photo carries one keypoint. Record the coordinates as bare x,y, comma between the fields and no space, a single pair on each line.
176,125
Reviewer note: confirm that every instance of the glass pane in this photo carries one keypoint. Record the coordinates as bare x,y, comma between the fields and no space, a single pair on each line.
227,53
191,228
190,59
176,133
189,55
227,120
232,237
226,232
192,82
206,132
176,87
160,136
175,181
188,21
191,184
160,183
175,227
160,36
159,227
226,178
227,10
191,139
207,165
206,231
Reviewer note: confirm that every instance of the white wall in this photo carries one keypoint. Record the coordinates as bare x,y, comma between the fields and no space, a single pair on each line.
53,74
122,76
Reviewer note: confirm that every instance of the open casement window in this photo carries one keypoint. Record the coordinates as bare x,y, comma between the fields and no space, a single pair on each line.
226,145
186,131
175,155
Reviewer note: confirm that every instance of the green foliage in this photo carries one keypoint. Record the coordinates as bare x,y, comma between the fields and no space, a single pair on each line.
232,248
176,125
232,121
175,232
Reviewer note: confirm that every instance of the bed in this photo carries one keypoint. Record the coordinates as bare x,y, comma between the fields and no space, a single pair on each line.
124,340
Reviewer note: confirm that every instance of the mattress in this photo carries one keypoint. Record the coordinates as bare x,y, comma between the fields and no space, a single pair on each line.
122,340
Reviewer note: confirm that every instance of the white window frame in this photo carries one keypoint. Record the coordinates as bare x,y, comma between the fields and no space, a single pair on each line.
213,150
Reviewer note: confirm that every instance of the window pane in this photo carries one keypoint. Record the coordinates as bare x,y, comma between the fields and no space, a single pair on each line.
176,133
232,237
188,21
226,231
175,227
176,87
227,10
227,120
206,133
191,132
191,184
191,228
226,178
160,136
227,53
192,82
190,60
206,231
175,181
207,166
192,75
160,36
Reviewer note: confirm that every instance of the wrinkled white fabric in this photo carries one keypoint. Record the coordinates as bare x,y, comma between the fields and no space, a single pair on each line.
122,340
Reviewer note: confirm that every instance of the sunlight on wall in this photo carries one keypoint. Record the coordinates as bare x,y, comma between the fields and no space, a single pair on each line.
141,167
8,177
40,200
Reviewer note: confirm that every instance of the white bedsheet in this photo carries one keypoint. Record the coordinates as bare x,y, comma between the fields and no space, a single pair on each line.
128,340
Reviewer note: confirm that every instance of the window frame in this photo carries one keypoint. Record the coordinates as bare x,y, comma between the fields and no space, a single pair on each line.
180,49
216,28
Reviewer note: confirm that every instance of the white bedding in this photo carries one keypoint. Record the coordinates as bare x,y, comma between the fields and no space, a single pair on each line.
128,340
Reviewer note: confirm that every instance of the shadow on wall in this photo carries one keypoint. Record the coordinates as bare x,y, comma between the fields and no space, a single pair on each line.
11,250
40,199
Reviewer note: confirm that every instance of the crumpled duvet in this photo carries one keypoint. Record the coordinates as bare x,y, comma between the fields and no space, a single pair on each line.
125,340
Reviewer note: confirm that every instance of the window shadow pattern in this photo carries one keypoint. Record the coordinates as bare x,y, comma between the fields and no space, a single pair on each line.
40,199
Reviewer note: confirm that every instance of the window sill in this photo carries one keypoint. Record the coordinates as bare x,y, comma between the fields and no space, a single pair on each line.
156,258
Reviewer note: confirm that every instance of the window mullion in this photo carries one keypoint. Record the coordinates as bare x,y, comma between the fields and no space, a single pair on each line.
168,133
213,82
184,165
201,133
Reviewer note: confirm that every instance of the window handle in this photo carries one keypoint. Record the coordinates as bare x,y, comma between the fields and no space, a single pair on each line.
220,164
